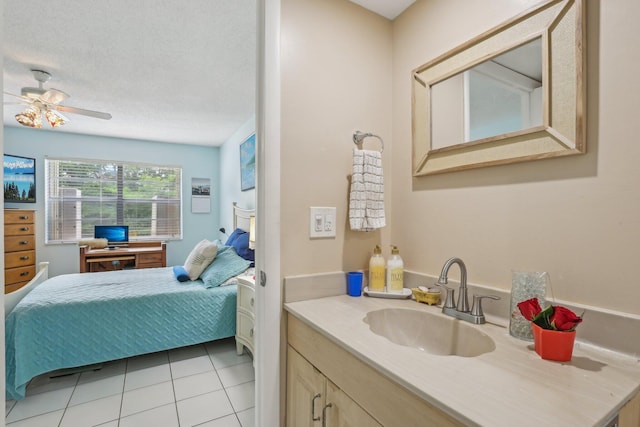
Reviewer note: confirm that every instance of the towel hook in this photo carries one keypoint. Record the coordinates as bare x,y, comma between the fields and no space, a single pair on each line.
358,137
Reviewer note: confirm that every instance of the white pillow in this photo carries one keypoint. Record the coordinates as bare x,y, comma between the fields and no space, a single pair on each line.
199,258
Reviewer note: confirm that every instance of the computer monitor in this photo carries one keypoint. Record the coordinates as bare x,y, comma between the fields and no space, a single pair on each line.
113,233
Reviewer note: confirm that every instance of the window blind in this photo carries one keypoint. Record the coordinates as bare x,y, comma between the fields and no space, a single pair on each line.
80,194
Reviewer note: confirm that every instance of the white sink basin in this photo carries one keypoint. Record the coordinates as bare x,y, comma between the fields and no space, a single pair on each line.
432,333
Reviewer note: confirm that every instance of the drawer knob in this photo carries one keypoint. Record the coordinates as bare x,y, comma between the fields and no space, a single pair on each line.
24,257
24,229
24,273
24,242
25,217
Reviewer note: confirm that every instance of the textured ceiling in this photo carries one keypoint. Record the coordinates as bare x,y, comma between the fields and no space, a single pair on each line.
167,70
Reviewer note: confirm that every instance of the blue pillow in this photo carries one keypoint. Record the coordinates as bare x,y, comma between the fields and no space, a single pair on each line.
180,273
221,247
241,245
232,238
225,265
239,240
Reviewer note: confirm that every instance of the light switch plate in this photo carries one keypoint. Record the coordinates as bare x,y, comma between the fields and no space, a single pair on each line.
322,222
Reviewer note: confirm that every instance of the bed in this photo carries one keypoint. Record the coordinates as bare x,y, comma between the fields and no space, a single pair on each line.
81,319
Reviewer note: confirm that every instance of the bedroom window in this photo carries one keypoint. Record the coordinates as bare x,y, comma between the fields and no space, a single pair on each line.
80,194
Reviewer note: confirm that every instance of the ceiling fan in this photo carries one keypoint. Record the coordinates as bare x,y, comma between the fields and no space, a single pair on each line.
40,101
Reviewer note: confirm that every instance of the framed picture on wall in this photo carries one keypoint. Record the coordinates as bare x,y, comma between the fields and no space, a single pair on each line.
19,179
200,195
248,163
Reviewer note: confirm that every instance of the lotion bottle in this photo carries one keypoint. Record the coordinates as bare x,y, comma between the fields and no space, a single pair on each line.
395,272
376,271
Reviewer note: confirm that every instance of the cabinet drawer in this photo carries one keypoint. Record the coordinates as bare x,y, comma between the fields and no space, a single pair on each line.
19,217
19,259
150,265
13,287
150,258
19,274
19,229
19,243
246,298
245,327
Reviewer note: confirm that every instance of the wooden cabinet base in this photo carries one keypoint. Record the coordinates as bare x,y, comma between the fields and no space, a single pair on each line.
630,413
386,401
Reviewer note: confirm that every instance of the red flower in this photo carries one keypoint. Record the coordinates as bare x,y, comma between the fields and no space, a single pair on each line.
564,319
530,308
553,317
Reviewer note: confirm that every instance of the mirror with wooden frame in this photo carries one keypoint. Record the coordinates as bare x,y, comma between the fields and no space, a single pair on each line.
515,93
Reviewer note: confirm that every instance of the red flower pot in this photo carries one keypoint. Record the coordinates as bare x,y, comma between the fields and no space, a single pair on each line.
553,345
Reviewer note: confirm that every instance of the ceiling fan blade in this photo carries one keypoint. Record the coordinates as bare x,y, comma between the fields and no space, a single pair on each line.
24,98
90,113
53,96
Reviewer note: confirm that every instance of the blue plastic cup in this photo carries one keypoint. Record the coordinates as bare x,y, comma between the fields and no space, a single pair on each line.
354,283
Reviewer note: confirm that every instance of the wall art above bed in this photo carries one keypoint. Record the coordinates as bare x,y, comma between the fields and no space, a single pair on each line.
248,163
19,179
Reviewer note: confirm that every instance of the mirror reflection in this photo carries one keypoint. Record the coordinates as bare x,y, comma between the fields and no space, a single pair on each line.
500,95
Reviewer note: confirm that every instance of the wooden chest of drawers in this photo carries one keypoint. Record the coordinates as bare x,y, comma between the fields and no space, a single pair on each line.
19,248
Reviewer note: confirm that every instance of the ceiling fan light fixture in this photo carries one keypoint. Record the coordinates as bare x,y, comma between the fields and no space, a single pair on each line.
54,118
29,117
46,102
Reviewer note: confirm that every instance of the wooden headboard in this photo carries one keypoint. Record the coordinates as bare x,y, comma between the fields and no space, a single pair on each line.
242,217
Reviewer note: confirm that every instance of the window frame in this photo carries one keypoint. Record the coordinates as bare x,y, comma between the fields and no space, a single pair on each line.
57,224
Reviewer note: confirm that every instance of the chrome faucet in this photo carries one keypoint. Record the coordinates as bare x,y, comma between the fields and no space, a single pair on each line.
463,302
461,310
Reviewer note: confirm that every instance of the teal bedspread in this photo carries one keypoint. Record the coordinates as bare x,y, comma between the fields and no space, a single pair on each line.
80,319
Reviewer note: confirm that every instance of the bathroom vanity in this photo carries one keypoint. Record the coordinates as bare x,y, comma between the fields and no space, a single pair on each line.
339,372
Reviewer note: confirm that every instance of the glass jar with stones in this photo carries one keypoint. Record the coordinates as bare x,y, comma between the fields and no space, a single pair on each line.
525,285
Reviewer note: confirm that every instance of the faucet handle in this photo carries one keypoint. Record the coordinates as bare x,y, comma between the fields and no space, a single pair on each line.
476,308
449,298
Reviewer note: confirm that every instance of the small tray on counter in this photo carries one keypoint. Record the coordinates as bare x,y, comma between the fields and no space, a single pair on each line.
406,293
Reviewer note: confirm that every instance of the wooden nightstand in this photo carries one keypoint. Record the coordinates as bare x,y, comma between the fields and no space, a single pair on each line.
245,314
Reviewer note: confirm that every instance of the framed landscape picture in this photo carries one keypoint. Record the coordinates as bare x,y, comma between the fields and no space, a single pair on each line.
19,179
200,195
248,163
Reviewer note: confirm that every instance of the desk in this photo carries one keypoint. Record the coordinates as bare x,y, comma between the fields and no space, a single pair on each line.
134,255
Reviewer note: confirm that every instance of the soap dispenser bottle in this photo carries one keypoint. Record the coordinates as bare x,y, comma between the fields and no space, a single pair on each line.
395,271
376,271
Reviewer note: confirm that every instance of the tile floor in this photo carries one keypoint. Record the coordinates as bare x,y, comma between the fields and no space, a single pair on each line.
204,385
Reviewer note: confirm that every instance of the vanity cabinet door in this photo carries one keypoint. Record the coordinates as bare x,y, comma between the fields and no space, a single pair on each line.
313,400
341,411
305,392
630,413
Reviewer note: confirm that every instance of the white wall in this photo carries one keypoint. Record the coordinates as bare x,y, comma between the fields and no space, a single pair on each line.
336,63
229,185
577,218
196,161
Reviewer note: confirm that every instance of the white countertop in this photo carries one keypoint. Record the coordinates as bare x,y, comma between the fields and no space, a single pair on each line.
509,386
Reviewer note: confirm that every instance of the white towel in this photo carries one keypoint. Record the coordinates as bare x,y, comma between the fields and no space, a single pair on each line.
366,201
